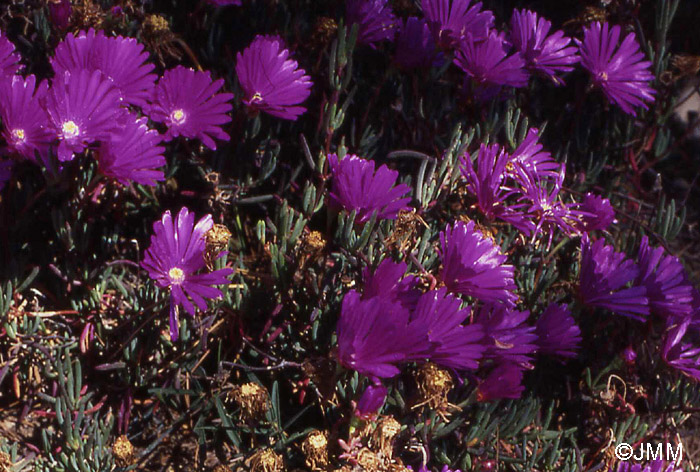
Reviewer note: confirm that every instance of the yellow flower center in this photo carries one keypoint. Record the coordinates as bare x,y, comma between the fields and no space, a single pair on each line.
18,134
178,116
256,97
177,276
70,129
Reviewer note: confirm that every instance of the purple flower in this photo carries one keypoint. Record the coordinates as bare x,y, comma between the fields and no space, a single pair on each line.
504,381
629,355
415,47
487,182
24,120
132,153
621,73
557,332
174,259
371,401
669,291
451,20
82,107
189,105
60,12
682,356
508,336
473,265
597,213
548,55
122,60
487,62
546,208
388,281
455,345
9,60
374,336
375,20
356,186
5,172
604,275
531,158
271,81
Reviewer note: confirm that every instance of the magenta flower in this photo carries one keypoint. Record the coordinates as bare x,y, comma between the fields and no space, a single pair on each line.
504,381
415,47
175,260
132,153
487,182
25,121
604,276
456,346
5,172
356,186
487,62
546,54
374,336
530,158
189,105
682,356
271,81
557,332
508,337
376,22
669,291
122,60
474,266
60,12
371,401
82,107
621,73
9,60
389,281
451,20
656,465
597,213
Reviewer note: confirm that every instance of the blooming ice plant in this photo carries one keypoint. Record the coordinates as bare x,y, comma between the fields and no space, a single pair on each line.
375,19
175,261
188,103
271,81
451,20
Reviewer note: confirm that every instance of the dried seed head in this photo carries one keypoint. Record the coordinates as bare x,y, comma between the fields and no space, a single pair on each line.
5,462
369,460
324,31
434,383
384,434
252,400
686,64
217,239
221,468
123,452
315,448
265,460
156,25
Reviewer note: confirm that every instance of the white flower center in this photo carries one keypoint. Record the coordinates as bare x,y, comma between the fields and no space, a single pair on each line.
18,135
177,276
178,116
70,129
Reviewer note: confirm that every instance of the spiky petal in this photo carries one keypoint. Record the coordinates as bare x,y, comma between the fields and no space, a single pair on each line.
357,186
557,332
189,104
473,265
175,260
621,73
504,381
9,60
487,61
271,81
451,20
508,337
375,19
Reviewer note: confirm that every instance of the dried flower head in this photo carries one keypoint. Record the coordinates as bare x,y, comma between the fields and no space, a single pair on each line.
265,460
324,32
315,449
217,239
384,435
434,383
221,468
252,400
123,451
